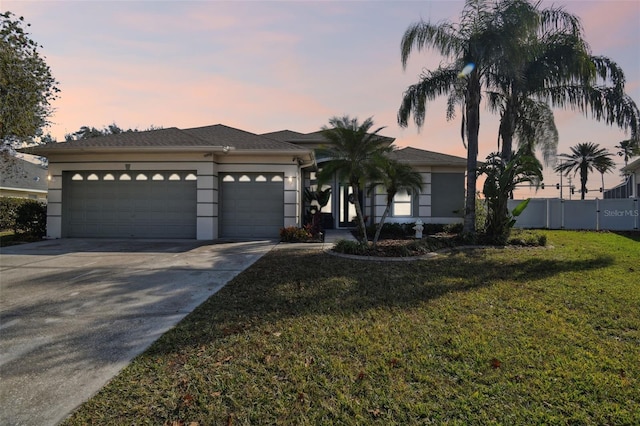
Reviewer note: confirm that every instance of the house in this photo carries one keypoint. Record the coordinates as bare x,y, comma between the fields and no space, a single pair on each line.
217,182
22,179
630,188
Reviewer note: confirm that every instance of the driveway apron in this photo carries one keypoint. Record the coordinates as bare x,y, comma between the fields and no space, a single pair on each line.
74,312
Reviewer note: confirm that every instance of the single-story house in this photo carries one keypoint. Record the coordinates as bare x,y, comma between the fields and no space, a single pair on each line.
20,178
218,182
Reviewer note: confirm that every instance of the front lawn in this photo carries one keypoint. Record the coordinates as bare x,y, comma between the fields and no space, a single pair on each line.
491,336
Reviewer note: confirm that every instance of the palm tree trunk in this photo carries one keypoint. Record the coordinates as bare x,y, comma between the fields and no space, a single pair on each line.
583,182
381,224
361,224
472,106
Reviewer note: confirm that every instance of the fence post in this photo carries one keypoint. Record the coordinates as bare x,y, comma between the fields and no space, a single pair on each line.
561,213
597,214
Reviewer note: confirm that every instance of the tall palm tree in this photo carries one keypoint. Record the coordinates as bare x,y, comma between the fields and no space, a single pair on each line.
584,158
474,46
554,65
394,177
354,152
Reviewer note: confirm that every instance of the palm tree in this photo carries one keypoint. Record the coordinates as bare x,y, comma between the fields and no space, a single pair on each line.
354,152
628,148
502,179
584,158
394,177
476,45
554,65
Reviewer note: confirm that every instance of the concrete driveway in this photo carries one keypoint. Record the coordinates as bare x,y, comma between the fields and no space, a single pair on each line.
74,312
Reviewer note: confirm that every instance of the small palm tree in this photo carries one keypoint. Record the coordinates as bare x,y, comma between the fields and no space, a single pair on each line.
584,158
394,177
354,151
502,179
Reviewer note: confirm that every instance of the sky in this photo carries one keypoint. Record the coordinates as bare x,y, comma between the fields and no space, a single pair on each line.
264,66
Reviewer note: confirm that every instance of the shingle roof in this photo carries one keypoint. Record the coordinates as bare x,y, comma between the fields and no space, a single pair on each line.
307,138
172,138
429,158
283,135
18,173
220,135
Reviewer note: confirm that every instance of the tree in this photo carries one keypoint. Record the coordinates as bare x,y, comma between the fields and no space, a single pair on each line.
553,66
394,177
628,149
584,158
474,47
87,132
502,178
353,151
27,87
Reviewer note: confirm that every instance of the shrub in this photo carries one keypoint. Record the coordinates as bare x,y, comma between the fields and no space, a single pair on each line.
8,210
527,239
453,228
31,218
293,234
351,247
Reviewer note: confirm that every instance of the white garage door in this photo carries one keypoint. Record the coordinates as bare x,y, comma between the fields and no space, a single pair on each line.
252,205
125,204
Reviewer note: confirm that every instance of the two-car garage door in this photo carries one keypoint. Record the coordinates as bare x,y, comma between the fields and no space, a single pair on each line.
123,204
163,204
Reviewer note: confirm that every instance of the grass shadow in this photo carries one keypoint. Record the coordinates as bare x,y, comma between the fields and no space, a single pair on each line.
307,283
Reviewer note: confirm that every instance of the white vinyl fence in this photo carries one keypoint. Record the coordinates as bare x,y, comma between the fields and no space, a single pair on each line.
608,214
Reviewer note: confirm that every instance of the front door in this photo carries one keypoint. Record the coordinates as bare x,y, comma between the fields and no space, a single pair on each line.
346,206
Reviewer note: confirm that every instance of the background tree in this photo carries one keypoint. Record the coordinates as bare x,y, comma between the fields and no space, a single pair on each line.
584,158
393,177
27,87
353,151
628,149
87,132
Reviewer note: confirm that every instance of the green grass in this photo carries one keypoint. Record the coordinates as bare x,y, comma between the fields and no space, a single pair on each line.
492,336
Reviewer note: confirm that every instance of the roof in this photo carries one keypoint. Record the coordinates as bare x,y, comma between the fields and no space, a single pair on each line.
219,134
632,167
283,135
308,138
209,138
427,158
16,173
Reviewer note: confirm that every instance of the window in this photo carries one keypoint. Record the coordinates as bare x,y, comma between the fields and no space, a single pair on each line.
402,205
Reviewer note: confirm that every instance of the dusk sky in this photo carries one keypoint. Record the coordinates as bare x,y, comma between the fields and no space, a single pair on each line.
264,66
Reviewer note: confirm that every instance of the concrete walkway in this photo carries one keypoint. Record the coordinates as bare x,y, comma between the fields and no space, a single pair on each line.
74,312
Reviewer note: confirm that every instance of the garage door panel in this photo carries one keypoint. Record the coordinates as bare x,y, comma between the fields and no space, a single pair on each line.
252,208
129,208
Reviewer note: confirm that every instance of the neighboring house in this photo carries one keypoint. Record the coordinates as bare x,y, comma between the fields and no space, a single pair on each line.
630,187
216,182
22,179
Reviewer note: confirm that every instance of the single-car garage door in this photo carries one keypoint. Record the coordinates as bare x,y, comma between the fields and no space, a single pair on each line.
252,205
126,204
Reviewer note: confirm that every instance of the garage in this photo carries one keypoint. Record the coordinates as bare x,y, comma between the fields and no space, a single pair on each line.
128,204
252,205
